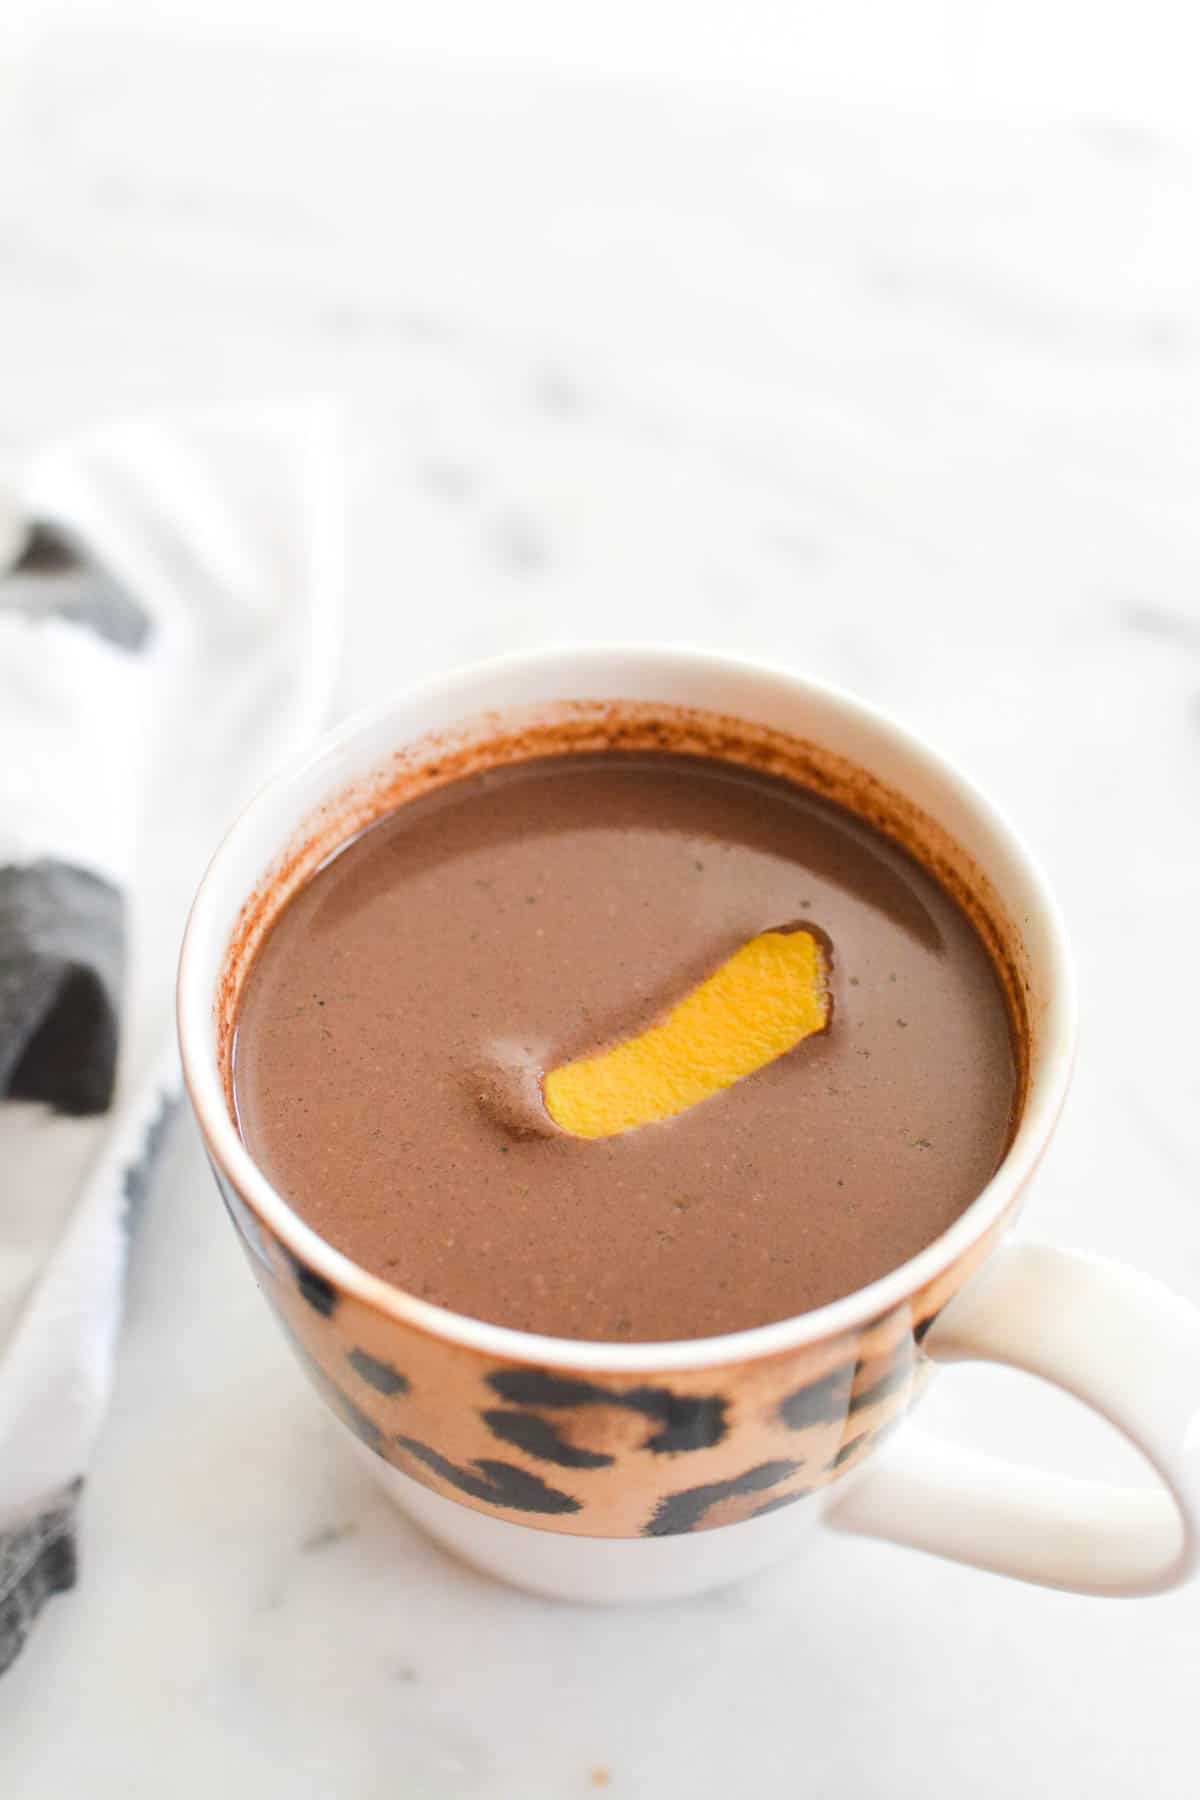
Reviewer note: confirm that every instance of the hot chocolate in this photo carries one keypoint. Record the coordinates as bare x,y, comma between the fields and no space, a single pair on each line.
400,1017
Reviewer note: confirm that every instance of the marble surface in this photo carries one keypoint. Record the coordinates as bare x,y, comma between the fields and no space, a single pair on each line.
907,401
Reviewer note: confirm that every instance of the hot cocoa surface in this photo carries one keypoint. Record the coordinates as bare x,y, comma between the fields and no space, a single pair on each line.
404,1005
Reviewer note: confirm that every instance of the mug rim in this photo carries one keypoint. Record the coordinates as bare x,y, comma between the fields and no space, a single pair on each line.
196,1005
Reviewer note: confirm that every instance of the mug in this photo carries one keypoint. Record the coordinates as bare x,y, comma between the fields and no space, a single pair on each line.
637,1472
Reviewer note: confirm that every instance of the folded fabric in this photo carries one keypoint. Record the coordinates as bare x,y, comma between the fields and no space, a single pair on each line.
80,674
169,626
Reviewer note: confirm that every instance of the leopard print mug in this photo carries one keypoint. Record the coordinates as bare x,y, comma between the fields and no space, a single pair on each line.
626,1472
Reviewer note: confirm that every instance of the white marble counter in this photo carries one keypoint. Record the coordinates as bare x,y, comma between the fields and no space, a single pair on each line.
909,402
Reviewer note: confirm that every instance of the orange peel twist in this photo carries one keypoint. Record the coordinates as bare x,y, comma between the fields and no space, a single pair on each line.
765,999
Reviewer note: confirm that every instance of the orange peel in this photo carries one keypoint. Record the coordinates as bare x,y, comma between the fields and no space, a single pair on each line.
769,996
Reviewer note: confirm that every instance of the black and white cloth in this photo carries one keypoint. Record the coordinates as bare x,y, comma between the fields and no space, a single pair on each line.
170,617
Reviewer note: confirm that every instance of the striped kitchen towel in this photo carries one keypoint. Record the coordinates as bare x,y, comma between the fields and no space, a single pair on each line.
170,616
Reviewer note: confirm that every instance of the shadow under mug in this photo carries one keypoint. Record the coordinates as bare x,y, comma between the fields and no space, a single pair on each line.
626,1472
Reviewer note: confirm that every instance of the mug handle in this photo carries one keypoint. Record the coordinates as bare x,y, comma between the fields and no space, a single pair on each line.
1118,1340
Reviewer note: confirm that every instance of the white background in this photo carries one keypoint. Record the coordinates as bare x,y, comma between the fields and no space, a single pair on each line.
1112,56
862,338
